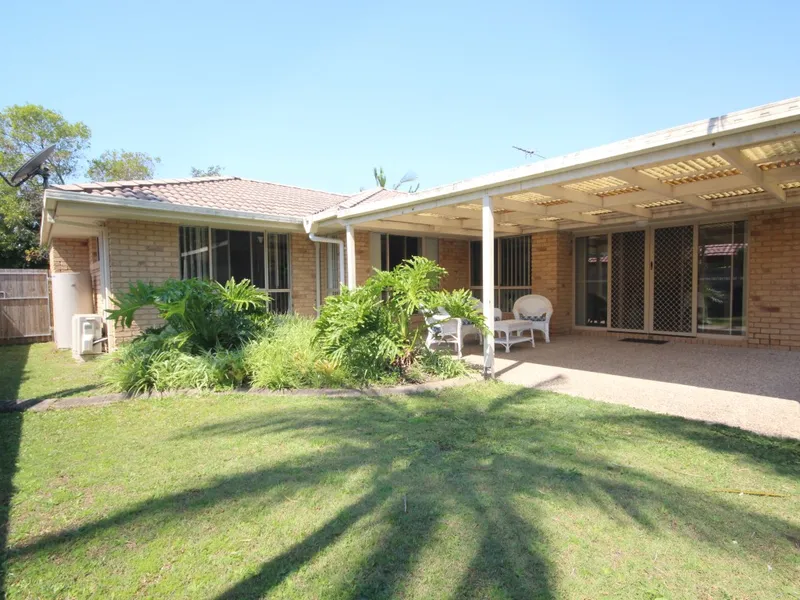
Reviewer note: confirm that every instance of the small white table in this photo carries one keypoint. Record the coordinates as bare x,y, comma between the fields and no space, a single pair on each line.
514,331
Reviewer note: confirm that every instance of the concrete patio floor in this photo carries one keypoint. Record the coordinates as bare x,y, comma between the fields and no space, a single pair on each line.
758,390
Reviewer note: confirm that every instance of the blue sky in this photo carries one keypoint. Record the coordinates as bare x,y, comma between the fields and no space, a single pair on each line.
317,93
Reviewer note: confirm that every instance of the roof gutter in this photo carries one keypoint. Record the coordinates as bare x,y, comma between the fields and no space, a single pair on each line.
326,240
118,207
748,127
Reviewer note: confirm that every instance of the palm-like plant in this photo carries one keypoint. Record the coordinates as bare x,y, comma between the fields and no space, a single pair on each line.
200,315
370,328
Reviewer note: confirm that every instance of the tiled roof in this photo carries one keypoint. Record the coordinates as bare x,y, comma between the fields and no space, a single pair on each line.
227,193
375,194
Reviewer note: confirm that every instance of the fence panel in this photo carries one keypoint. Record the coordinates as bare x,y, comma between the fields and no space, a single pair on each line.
24,306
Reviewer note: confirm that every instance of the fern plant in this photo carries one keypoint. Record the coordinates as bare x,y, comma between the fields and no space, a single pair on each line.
200,315
370,329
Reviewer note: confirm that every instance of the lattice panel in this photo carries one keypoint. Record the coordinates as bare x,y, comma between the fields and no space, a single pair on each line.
627,280
673,249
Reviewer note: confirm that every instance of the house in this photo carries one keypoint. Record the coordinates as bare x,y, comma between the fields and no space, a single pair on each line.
691,232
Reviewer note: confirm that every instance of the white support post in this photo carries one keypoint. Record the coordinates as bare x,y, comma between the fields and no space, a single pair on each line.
351,256
488,286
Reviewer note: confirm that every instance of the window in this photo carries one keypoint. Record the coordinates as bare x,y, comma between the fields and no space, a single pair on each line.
241,255
397,248
721,278
591,280
194,252
332,270
512,269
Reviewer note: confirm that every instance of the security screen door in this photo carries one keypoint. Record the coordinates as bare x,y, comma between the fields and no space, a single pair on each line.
652,280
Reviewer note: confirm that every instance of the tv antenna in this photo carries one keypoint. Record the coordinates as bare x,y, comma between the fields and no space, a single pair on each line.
528,153
34,166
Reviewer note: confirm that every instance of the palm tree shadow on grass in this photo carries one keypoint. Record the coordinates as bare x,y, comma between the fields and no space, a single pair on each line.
457,454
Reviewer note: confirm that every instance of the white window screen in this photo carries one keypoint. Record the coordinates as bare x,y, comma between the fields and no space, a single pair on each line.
512,270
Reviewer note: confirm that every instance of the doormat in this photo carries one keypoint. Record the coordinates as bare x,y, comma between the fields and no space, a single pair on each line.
643,341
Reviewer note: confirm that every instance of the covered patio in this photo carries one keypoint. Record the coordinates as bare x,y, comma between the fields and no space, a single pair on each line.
757,390
644,193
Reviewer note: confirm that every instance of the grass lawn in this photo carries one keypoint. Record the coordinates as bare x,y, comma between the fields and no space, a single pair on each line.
489,491
39,371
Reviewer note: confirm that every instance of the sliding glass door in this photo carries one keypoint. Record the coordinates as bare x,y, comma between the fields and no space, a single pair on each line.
679,280
591,281
721,256
628,280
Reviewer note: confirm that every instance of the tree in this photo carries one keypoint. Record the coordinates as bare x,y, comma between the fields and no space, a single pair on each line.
380,179
212,171
120,165
24,131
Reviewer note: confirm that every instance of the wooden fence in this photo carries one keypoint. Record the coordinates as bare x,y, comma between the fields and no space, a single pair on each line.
24,306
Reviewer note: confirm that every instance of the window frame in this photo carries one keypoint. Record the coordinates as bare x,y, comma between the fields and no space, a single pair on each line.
498,270
209,262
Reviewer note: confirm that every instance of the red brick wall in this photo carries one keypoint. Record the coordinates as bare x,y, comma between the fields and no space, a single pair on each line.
552,264
140,250
454,257
773,307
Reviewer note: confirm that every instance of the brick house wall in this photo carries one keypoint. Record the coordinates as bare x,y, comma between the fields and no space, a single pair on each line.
140,250
69,255
304,274
552,265
773,303
454,257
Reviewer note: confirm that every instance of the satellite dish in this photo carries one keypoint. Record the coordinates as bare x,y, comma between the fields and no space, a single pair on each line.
34,166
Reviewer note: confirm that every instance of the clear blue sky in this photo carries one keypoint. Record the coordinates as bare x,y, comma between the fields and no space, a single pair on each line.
315,94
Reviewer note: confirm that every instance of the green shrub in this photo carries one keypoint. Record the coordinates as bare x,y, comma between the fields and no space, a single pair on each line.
200,315
288,358
437,364
151,363
368,330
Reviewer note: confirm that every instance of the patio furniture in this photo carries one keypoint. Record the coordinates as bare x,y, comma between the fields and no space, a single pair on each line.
444,329
536,309
514,331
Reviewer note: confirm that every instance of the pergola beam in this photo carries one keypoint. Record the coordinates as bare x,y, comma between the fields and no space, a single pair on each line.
579,197
466,225
661,189
756,176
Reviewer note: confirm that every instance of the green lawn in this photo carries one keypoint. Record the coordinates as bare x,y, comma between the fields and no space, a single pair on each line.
489,491
39,371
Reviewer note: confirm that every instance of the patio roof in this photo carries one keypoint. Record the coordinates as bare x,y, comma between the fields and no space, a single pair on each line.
734,163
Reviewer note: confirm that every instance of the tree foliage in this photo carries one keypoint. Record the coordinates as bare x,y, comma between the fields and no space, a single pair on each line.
26,130
121,165
210,171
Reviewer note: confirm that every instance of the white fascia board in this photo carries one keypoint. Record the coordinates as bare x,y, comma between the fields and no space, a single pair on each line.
748,127
116,207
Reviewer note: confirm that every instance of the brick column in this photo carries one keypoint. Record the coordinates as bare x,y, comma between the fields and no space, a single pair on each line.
552,264
304,275
454,257
773,306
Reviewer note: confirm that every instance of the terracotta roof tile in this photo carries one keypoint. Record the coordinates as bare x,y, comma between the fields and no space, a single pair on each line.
228,193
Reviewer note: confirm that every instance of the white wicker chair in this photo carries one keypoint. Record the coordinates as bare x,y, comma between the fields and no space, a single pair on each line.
536,309
442,329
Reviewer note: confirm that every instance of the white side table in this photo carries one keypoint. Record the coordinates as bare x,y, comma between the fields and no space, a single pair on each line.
514,331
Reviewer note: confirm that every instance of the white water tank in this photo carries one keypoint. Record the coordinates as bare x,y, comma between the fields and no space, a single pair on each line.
72,295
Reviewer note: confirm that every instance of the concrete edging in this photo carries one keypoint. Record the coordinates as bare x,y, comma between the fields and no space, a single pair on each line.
36,405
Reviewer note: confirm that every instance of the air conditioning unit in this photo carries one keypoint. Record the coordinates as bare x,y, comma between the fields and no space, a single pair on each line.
87,335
